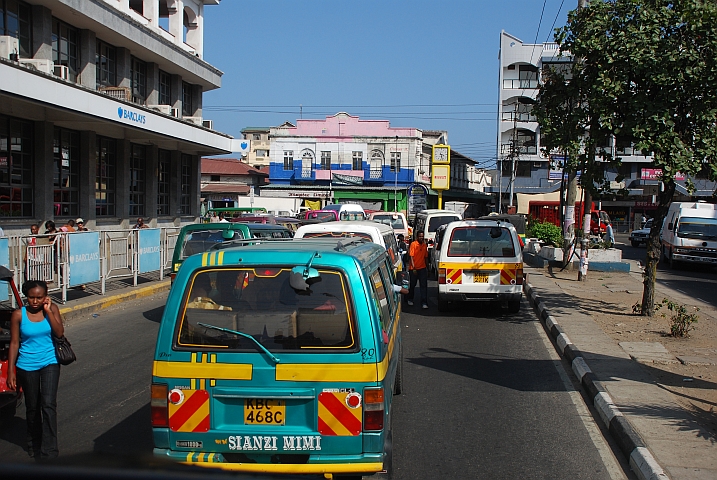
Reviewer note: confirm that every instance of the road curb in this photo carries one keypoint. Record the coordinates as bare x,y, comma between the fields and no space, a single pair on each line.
75,311
629,441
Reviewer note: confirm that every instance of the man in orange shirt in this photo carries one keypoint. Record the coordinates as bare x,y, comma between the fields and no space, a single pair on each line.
417,267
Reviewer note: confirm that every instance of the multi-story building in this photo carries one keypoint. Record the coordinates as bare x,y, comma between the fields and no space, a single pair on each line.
521,162
224,180
258,154
101,111
343,158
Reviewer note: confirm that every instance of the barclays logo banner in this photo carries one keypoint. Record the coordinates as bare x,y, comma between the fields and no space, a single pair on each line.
84,256
149,252
135,117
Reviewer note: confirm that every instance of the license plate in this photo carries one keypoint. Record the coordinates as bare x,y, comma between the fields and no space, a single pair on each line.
480,278
262,411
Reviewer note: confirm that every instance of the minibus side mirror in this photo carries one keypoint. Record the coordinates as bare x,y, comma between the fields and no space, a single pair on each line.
228,234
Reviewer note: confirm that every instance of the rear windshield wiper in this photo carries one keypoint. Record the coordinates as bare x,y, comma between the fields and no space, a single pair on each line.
245,335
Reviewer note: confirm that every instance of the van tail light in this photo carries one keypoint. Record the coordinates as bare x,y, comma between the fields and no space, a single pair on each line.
373,406
159,406
441,276
519,278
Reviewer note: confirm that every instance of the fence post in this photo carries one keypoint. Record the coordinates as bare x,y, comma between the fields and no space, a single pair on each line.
162,253
135,255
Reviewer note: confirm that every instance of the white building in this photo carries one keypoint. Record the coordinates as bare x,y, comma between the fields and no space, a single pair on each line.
101,111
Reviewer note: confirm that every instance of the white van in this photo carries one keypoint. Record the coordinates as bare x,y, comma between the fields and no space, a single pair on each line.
371,231
689,233
480,261
347,211
427,221
395,220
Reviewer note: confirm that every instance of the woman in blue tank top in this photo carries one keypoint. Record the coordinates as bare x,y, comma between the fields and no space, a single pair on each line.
32,351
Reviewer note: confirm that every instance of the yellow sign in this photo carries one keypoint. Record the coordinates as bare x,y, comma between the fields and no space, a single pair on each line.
441,154
440,177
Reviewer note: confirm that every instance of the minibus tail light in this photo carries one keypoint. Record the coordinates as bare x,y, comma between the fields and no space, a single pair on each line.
159,406
373,409
441,276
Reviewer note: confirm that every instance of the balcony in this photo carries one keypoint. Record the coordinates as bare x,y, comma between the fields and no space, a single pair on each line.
519,117
302,173
505,149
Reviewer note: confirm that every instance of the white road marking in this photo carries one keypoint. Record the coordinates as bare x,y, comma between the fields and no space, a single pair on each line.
612,465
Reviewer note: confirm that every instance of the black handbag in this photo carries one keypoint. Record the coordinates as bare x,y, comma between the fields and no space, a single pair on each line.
63,350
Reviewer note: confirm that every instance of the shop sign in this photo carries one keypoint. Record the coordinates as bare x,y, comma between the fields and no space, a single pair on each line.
440,177
645,204
417,198
656,174
134,117
296,193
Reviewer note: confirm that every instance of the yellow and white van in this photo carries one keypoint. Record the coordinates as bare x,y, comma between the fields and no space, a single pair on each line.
480,261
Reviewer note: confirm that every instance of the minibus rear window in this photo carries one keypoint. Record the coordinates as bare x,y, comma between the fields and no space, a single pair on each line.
200,241
435,222
488,241
261,303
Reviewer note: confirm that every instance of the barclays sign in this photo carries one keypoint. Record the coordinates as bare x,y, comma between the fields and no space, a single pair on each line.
134,117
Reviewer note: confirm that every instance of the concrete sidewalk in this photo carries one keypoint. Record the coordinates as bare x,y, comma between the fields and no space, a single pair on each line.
82,303
660,439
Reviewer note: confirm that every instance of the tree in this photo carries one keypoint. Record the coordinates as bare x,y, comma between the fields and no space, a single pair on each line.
650,69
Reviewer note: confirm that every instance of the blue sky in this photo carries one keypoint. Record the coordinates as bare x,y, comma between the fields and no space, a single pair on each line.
425,64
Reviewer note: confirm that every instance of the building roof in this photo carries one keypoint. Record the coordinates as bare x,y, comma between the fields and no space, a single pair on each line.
229,166
237,188
255,129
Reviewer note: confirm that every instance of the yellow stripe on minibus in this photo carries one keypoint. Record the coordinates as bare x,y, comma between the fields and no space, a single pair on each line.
219,371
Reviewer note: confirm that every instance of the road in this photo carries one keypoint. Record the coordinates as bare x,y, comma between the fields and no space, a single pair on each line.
694,281
485,397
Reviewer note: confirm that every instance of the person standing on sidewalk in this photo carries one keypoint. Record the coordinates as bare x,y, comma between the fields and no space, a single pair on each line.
417,267
32,352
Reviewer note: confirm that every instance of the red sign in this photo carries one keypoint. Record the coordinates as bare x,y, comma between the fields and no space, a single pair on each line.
656,173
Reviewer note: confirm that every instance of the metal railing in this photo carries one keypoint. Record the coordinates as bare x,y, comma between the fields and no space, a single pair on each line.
520,83
47,257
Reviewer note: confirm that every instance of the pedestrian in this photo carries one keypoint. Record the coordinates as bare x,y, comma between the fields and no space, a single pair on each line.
222,219
69,226
402,250
610,235
417,267
81,225
31,257
140,224
32,365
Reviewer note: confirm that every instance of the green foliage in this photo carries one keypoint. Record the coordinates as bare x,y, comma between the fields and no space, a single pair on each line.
681,322
546,232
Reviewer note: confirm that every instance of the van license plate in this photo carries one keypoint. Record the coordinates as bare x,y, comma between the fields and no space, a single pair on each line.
480,278
264,411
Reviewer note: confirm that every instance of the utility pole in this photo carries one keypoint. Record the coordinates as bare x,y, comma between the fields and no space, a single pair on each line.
514,151
587,205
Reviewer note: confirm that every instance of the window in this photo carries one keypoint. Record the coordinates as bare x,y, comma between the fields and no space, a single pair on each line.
163,168
65,50
376,164
288,159
66,159
262,304
185,197
165,88
215,178
522,169
137,188
528,75
481,242
105,64
357,160
187,106
381,299
16,21
105,180
262,153
256,136
138,78
395,161
15,168
325,160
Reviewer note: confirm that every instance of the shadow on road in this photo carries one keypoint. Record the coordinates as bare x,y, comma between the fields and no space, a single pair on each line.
154,315
518,374
132,436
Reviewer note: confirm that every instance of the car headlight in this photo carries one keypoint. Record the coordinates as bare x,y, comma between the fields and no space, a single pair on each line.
682,250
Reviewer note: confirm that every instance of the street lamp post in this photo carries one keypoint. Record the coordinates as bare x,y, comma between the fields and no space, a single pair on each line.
395,171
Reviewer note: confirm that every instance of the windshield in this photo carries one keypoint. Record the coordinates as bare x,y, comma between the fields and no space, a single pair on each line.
338,235
395,223
199,241
321,215
260,302
436,222
352,216
481,242
695,227
270,233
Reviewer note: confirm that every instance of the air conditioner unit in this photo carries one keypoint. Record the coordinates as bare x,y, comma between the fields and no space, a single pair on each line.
9,47
42,65
62,71
194,120
208,124
165,109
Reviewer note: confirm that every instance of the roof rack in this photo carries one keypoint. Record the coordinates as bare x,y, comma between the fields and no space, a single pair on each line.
342,244
246,241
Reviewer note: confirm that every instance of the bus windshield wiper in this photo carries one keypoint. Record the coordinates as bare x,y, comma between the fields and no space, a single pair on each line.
245,335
